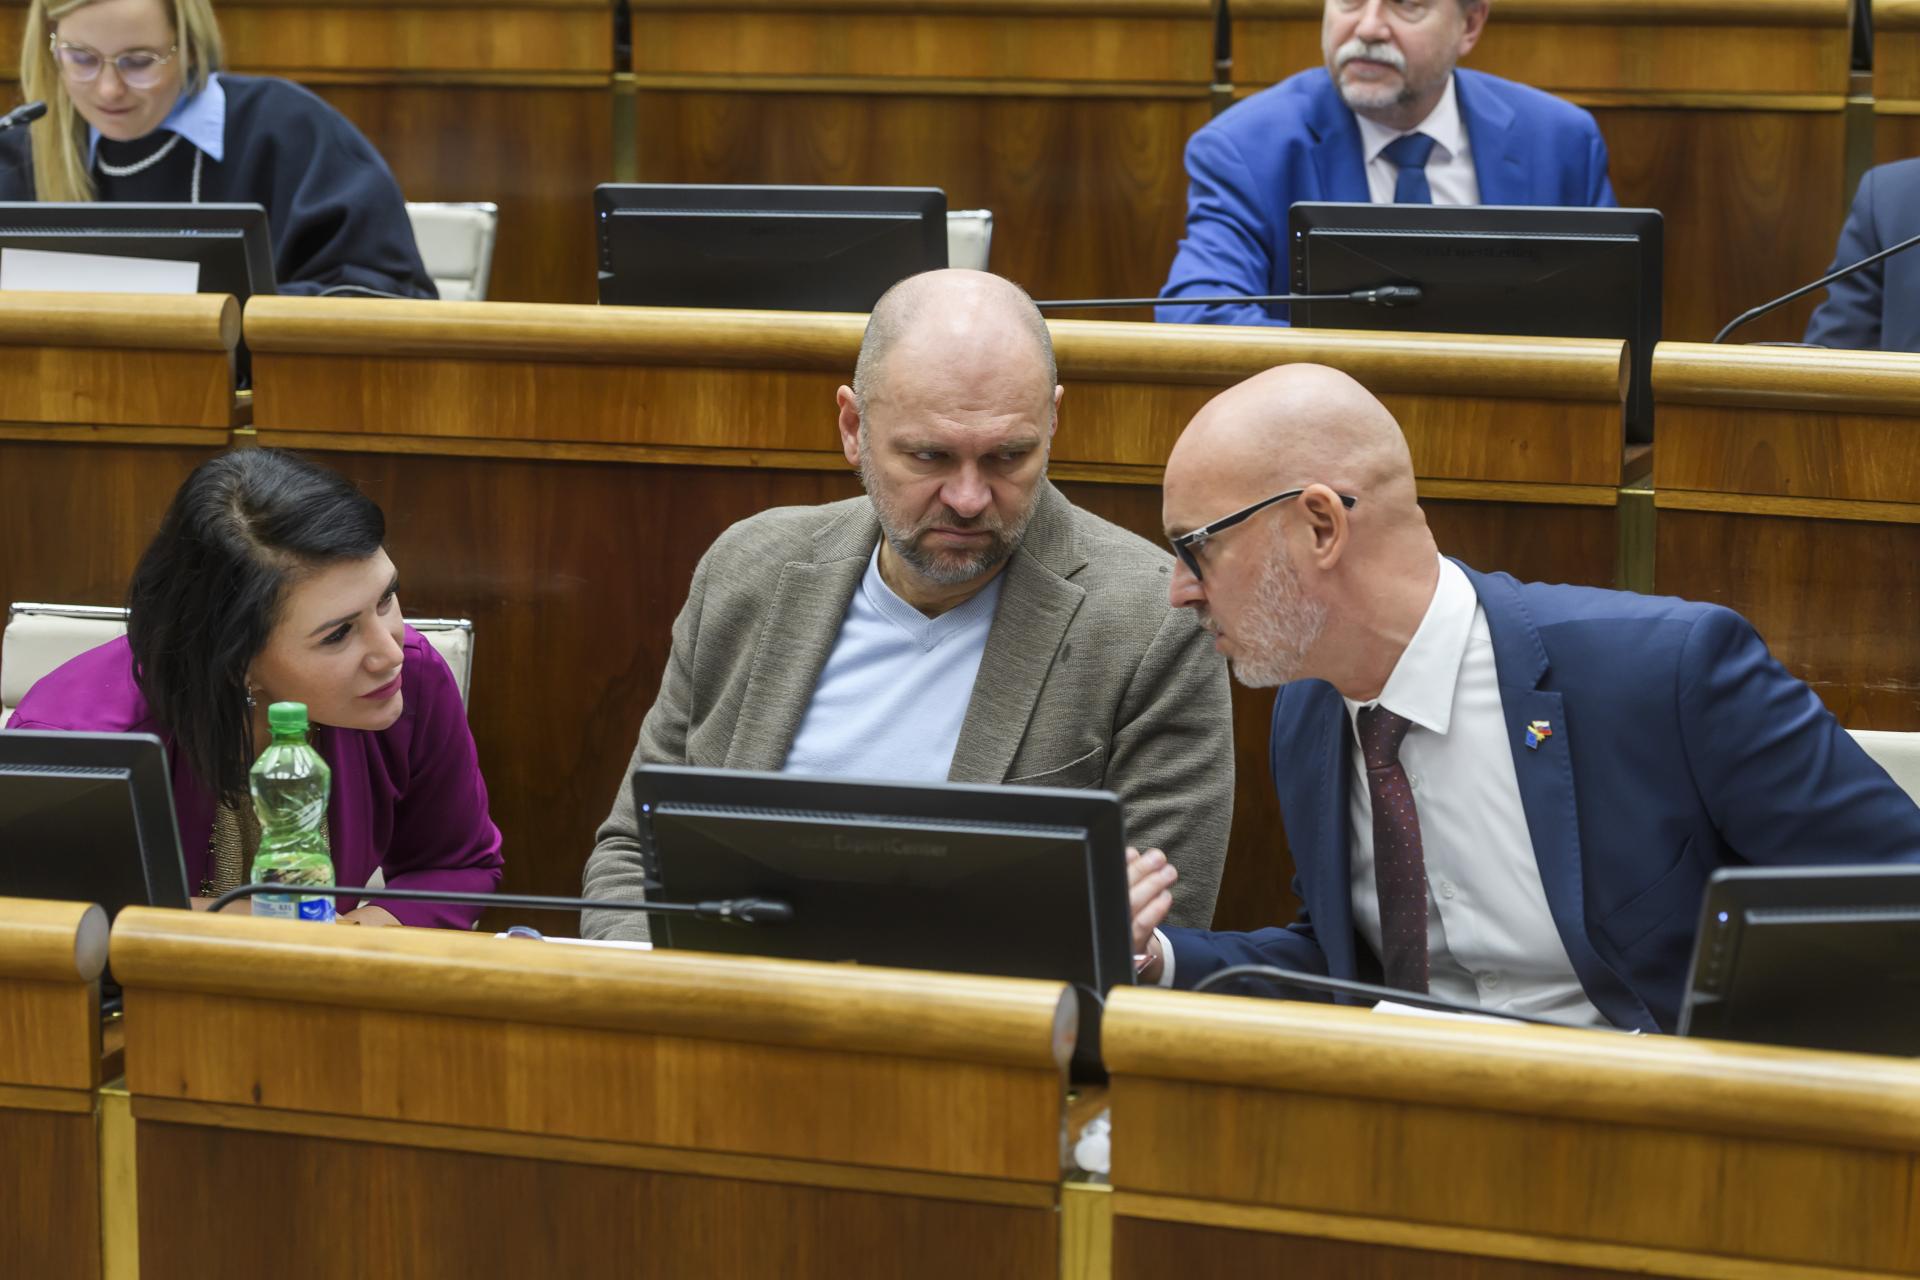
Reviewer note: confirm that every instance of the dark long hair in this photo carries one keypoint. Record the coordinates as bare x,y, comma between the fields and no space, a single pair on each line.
208,591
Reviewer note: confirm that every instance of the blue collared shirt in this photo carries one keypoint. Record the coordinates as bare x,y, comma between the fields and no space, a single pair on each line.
200,118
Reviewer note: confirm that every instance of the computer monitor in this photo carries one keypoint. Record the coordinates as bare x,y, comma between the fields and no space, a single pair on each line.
1011,881
1820,957
88,817
773,248
1538,272
228,241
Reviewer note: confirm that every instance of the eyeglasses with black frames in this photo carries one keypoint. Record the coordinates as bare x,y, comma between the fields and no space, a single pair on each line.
1188,546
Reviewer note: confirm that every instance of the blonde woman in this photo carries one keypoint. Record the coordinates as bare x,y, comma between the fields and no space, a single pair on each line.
139,110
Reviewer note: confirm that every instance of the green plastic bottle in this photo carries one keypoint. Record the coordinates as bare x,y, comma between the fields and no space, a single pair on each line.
289,783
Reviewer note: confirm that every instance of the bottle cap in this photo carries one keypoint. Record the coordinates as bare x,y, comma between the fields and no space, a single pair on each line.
287,717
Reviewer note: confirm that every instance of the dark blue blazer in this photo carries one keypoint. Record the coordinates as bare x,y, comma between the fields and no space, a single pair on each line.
1679,746
1300,141
1877,309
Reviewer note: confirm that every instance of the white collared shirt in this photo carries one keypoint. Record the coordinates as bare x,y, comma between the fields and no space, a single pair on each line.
1449,169
1491,939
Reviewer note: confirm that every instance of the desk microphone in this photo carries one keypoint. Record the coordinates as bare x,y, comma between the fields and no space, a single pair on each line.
730,910
1821,283
1367,990
25,113
1386,295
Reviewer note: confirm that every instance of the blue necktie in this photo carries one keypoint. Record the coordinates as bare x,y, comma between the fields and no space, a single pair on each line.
1409,155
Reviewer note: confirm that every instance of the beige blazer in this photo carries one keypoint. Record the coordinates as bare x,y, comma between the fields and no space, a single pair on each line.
1089,679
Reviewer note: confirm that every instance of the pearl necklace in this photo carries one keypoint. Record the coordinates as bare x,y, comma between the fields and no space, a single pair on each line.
141,166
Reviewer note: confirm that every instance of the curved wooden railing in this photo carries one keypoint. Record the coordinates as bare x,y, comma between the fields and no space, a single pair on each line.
1692,373
834,1007
1744,13
1205,355
182,322
1697,1085
51,958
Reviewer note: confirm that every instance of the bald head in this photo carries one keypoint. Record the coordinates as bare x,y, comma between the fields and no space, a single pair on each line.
966,328
1294,425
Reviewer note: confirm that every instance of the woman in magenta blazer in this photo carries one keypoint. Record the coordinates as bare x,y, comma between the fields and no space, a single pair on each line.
268,582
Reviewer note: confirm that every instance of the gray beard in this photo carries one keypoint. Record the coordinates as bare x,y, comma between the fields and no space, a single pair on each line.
945,568
1280,630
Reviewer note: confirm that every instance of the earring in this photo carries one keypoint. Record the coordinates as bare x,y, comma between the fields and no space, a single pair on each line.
251,704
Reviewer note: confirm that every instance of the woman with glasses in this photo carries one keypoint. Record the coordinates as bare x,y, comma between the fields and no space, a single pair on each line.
138,110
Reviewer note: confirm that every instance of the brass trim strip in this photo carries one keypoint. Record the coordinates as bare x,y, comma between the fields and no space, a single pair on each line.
1469,1240
119,1187
704,1164
1761,504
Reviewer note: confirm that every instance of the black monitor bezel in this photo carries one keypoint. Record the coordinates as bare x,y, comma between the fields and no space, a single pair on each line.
1531,223
142,758
1733,892
74,224
615,200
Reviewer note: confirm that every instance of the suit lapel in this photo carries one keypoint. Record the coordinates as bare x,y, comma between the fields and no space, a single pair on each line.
1337,158
1330,845
1545,775
1497,164
802,622
1037,604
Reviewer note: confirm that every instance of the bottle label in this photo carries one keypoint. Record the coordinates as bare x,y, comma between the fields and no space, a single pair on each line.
278,906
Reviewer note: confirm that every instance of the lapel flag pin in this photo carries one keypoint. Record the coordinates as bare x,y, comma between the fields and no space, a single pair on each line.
1538,731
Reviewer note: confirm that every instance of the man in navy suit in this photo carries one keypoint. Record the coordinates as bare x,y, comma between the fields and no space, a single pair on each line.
1500,792
1877,309
1387,120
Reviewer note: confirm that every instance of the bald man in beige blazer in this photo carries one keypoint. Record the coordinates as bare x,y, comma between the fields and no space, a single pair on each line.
1086,676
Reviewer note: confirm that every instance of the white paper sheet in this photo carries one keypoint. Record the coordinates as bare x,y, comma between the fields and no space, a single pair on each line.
49,272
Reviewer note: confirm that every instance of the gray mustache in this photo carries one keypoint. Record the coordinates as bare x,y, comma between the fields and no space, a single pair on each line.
1384,53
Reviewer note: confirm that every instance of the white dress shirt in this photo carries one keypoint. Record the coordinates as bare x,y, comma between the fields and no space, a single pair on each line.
1449,169
1490,938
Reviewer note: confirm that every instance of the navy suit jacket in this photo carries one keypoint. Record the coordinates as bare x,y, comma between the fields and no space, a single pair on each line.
1679,746
1877,309
1300,141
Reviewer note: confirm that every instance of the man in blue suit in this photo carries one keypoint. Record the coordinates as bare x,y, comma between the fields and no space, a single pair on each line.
1877,309
1387,120
1500,792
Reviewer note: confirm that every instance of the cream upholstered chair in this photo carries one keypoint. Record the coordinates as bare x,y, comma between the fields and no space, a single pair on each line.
1897,753
456,243
969,238
40,637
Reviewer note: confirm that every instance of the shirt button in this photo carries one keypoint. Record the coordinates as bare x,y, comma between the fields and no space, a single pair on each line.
1446,888
1413,781
1490,981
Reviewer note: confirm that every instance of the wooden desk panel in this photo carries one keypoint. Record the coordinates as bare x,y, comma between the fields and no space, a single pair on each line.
474,1103
114,361
1787,487
1384,1146
1727,118
1066,119
51,957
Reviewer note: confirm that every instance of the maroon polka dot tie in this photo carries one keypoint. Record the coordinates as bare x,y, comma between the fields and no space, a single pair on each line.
1399,866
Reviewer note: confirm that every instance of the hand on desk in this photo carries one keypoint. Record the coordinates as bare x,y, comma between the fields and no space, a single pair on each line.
1150,880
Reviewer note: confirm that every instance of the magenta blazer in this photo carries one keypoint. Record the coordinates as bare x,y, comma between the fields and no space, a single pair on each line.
408,799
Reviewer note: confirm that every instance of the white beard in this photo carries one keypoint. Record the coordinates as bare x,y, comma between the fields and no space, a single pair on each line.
1281,628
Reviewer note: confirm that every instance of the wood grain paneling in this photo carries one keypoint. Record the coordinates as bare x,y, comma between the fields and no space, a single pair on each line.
535,151
414,38
51,957
1896,54
1286,1116
1897,137
116,360
49,1195
1087,192
1145,1249
426,1214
